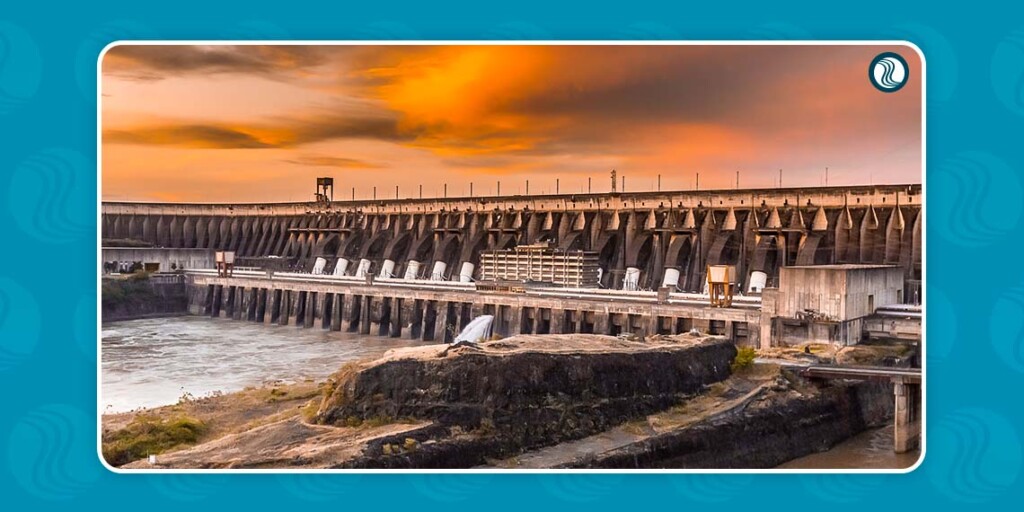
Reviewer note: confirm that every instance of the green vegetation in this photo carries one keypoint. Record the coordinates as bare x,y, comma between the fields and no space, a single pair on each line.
133,288
744,359
149,435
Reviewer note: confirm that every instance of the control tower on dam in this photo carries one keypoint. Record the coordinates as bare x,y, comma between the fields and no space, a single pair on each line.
666,236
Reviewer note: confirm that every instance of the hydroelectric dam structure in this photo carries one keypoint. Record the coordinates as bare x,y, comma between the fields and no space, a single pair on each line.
423,255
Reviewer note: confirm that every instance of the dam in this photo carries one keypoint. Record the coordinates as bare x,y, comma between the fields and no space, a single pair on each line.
657,233
835,265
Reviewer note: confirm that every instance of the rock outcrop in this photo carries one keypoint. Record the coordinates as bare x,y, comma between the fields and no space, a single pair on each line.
530,390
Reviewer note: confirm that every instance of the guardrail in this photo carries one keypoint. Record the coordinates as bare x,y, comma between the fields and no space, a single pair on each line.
680,298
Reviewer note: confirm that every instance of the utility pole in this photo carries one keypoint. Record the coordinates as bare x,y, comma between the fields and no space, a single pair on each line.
374,193
737,180
353,193
826,175
446,191
396,191
589,189
527,187
780,178
623,183
499,187
659,183
556,186
471,189
698,182
421,191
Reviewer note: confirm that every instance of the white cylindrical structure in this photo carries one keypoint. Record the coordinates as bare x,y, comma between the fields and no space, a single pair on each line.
318,266
363,268
671,278
466,274
758,280
438,273
412,270
340,267
387,269
632,279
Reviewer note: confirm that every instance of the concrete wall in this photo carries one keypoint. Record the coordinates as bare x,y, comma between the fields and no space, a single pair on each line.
891,327
885,286
164,257
838,292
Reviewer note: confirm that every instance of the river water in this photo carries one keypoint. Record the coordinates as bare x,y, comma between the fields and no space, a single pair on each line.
871,449
153,362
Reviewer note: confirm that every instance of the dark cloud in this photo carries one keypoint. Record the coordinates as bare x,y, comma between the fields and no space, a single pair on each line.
279,133
333,161
151,62
317,128
186,135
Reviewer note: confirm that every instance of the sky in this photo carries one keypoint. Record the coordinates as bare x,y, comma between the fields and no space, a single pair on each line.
261,123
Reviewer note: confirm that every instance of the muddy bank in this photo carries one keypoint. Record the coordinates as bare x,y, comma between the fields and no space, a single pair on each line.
137,296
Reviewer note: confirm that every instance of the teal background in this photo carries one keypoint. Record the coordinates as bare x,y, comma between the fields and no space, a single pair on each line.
975,108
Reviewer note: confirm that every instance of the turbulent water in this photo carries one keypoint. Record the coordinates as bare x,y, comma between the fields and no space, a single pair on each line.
148,363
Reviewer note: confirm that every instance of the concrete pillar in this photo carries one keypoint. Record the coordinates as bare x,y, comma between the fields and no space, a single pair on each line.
271,307
215,300
442,322
416,314
701,324
602,321
515,325
238,307
288,298
364,315
323,309
284,307
350,313
382,314
557,321
906,428
261,305
753,335
227,301
309,310
337,310
396,318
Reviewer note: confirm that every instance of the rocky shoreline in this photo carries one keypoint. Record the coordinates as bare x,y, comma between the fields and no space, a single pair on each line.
574,401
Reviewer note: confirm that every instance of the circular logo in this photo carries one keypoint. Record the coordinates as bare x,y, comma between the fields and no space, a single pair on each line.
888,72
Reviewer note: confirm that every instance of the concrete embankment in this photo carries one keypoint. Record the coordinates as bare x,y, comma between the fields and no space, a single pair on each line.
143,296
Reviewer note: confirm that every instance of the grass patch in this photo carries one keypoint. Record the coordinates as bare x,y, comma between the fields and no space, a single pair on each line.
148,435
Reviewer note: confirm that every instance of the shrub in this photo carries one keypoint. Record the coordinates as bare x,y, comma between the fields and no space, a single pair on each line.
744,359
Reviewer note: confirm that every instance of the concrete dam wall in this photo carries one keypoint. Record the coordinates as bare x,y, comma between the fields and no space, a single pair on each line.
757,230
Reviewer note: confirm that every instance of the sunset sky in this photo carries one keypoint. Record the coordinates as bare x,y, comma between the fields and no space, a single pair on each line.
260,123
